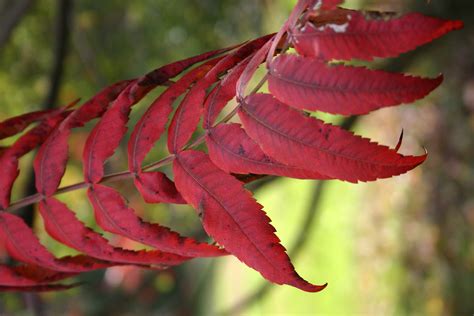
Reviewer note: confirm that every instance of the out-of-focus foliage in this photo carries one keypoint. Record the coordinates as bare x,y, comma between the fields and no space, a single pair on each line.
401,246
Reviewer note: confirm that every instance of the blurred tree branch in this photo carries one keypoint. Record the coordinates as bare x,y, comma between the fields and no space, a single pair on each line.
11,16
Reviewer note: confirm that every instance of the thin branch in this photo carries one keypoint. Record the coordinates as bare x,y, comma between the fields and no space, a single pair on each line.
62,34
11,18
63,26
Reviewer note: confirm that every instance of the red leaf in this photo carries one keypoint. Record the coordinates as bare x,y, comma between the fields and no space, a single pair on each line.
188,114
351,34
106,136
291,138
313,85
233,151
28,276
21,243
10,158
162,75
222,94
50,162
62,224
17,124
155,187
113,215
290,23
252,66
152,124
234,219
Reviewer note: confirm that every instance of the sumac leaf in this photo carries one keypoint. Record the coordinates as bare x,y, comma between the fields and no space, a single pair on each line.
291,138
233,151
62,224
357,36
309,84
113,215
152,124
221,94
9,160
187,116
234,219
50,162
18,124
156,187
21,243
28,276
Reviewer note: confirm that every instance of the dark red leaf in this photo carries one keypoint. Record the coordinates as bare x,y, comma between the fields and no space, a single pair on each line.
252,66
222,94
152,124
309,84
155,187
10,158
50,162
113,215
27,276
188,114
106,136
163,74
233,151
360,37
289,24
21,243
62,224
234,219
291,138
17,124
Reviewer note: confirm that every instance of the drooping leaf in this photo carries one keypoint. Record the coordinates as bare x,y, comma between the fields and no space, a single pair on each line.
10,158
252,66
106,136
187,116
222,94
113,215
310,84
233,151
234,219
21,243
51,160
28,276
353,35
163,74
18,124
156,187
62,224
289,24
291,138
152,124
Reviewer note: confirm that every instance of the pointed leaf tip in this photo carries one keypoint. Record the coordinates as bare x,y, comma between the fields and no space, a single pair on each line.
310,84
344,34
292,138
234,219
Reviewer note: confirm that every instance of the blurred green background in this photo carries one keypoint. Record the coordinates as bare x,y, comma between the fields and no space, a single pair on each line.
402,246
